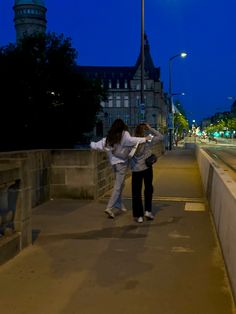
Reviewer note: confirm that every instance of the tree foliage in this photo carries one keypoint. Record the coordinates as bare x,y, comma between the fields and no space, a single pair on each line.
227,124
45,102
181,124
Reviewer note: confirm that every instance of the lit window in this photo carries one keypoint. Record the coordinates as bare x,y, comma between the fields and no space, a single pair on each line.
126,101
137,101
138,87
110,101
126,84
109,84
117,101
126,119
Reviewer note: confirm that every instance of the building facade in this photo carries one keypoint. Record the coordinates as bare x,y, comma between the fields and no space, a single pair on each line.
123,85
29,18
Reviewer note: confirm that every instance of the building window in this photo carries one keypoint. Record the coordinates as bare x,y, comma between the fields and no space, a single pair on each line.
109,84
126,119
126,101
110,101
117,84
117,101
137,101
126,84
138,87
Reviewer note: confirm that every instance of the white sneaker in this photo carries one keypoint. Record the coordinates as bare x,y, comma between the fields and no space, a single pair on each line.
123,209
149,215
140,219
109,212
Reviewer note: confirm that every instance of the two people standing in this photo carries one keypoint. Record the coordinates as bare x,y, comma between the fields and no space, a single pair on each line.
118,144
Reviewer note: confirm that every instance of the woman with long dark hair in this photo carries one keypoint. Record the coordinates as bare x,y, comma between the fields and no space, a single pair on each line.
118,144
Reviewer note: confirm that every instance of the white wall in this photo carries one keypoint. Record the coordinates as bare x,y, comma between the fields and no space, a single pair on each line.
220,191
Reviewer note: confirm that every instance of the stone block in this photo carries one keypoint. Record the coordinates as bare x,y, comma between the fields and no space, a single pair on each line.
24,227
73,192
58,175
9,247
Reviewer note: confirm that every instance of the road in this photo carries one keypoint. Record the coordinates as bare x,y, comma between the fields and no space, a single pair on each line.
224,154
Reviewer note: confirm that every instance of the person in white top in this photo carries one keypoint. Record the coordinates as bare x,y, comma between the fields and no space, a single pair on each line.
118,144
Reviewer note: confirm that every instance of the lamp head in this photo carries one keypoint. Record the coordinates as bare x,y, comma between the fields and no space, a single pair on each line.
183,54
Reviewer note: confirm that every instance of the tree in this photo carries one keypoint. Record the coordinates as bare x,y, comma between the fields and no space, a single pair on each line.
45,100
180,121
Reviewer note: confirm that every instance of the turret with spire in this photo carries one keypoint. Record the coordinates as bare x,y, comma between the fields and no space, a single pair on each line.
149,67
30,17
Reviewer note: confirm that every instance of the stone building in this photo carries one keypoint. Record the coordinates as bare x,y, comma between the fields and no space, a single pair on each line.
123,84
30,17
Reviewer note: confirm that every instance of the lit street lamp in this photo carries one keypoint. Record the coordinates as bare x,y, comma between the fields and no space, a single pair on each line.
170,115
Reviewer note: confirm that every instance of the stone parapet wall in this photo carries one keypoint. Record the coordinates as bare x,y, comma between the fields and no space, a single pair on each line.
82,174
68,173
37,172
15,205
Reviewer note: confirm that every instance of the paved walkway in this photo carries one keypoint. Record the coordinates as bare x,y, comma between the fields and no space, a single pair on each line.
81,262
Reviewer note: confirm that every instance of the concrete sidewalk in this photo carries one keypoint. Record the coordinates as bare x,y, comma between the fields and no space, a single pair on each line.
81,262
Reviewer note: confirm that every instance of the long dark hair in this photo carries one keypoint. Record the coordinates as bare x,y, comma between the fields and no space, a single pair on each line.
114,135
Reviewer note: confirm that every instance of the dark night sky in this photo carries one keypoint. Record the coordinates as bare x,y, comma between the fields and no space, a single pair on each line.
107,32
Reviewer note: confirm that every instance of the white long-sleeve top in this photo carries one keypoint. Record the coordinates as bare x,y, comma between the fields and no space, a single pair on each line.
120,152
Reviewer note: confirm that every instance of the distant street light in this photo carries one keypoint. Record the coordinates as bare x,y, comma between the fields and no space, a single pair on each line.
170,117
180,94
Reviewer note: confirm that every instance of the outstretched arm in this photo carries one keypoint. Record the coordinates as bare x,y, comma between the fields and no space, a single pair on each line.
100,145
129,140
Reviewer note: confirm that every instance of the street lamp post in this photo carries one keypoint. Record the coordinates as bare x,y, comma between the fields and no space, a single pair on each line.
142,105
170,114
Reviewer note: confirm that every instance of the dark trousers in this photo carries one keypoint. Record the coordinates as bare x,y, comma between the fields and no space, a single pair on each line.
137,183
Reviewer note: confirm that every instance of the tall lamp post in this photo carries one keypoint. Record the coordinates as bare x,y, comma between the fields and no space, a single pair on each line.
170,115
142,105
